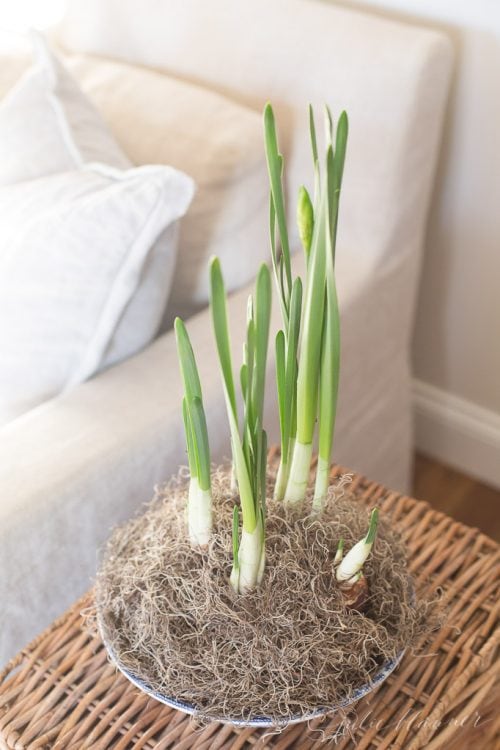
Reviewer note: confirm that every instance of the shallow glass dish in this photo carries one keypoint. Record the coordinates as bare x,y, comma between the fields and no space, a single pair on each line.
260,721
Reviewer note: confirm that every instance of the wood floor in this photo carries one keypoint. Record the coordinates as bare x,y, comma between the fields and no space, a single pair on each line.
458,495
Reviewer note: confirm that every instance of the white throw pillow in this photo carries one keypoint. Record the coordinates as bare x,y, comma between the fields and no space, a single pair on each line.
158,118
48,127
73,247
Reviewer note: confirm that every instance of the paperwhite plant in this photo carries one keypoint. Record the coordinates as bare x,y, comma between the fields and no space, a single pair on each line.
307,370
308,374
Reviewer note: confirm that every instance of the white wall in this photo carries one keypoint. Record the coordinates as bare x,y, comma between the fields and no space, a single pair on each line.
456,348
20,15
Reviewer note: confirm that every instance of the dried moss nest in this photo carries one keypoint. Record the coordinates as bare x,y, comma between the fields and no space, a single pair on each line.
289,648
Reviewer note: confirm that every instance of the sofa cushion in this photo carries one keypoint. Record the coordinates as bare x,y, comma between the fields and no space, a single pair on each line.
156,118
47,125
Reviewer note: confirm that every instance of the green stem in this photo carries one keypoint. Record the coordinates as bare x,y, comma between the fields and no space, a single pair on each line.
299,473
281,480
250,558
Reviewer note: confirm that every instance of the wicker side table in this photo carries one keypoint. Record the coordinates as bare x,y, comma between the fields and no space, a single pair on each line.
61,692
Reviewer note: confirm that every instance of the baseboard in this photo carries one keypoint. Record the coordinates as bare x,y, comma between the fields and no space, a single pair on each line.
457,432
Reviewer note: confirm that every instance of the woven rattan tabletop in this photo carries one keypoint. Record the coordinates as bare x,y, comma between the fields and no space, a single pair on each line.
61,691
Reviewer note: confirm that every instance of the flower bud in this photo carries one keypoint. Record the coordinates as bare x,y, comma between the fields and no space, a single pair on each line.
305,219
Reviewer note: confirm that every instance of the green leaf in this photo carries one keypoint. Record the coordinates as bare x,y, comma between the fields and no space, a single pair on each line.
263,472
249,417
219,318
262,322
340,147
312,325
250,346
305,220
200,441
275,168
193,469
312,133
236,538
241,470
330,371
272,234
192,409
281,383
328,125
291,361
257,459
331,194
337,172
372,529
330,354
277,263
244,380
189,370
330,358
314,148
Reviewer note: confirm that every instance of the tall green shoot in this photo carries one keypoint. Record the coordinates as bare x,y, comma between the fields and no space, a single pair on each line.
249,449
307,375
199,508
330,354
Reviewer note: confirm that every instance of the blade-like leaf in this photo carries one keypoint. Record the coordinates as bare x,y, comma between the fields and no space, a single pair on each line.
219,318
241,471
340,147
272,235
193,468
331,195
330,358
244,380
248,414
314,148
277,264
337,172
312,133
187,361
291,360
372,528
236,538
281,383
328,126
192,409
310,352
262,322
257,441
275,167
249,419
263,472
330,370
200,441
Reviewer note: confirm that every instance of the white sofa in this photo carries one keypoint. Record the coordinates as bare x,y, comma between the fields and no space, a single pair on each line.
81,463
